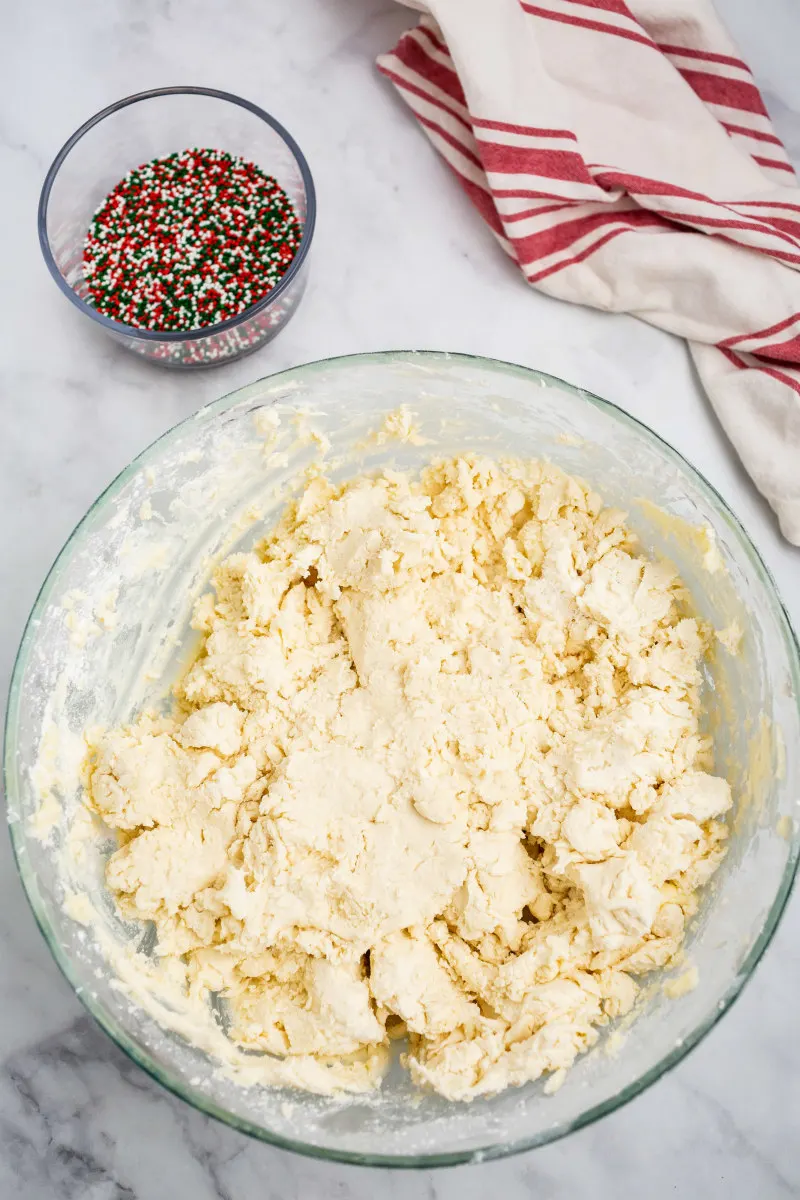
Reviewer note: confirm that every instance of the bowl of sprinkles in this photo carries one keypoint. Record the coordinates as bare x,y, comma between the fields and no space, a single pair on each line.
179,220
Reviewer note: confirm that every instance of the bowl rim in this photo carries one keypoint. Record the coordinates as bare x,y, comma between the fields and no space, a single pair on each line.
194,1096
187,335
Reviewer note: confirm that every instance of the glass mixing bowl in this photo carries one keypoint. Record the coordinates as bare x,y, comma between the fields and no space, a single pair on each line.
151,125
110,629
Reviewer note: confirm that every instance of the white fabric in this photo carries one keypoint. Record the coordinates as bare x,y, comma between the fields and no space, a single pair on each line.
646,130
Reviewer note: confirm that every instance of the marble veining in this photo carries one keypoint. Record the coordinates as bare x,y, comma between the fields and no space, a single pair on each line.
78,1121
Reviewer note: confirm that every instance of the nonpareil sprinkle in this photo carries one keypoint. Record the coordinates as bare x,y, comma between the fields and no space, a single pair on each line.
187,241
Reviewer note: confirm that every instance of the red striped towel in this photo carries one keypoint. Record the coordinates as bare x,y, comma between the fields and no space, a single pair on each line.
622,154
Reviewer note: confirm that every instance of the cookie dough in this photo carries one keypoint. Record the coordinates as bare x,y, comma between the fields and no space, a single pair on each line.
437,771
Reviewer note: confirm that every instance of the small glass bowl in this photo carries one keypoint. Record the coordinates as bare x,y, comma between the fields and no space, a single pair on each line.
151,125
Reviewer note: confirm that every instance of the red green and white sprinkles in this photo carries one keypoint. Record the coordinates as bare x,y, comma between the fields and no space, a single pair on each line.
187,241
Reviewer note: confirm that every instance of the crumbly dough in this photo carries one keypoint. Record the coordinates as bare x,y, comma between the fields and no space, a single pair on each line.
436,771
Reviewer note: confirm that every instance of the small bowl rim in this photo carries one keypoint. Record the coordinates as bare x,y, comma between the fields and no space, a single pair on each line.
154,335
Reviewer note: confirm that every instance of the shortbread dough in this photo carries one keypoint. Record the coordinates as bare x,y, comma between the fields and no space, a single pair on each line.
437,771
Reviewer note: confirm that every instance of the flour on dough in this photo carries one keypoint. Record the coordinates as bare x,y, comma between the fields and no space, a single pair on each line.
437,771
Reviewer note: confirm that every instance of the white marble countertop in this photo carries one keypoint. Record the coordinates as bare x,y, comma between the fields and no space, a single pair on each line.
77,1120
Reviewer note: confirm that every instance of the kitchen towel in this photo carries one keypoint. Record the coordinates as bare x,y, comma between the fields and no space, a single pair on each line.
622,155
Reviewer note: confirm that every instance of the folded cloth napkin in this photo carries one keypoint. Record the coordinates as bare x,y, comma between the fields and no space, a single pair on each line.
622,154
